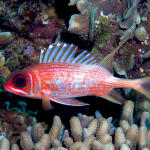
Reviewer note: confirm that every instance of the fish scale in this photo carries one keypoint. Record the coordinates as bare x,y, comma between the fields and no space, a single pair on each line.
75,78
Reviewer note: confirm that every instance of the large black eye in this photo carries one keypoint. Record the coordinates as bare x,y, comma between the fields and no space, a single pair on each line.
19,81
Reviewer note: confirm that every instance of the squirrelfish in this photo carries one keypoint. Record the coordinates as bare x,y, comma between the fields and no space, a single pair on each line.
62,75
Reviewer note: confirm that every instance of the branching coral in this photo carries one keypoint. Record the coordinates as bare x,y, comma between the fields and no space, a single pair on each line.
95,135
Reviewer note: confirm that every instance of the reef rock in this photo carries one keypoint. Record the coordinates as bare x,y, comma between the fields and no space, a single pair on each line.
141,34
77,24
5,37
90,9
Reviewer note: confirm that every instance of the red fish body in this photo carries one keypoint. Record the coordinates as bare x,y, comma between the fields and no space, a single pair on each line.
61,80
67,80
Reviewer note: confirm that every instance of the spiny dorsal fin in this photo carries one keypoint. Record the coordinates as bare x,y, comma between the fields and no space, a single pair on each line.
63,52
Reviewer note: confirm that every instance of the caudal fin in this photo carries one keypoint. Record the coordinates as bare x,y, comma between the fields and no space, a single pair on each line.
143,86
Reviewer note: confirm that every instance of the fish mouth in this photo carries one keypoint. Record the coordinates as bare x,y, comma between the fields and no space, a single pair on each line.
15,91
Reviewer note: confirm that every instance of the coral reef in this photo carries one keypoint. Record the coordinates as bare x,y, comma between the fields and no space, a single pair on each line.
108,24
141,34
88,132
25,28
32,21
91,9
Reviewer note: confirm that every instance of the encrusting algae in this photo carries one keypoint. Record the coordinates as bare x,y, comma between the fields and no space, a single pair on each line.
87,133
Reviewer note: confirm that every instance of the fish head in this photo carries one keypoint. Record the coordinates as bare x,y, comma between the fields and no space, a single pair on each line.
19,83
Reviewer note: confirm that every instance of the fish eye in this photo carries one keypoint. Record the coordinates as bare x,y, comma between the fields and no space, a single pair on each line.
19,81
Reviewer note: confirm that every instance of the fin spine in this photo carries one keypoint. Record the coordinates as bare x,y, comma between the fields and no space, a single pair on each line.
54,53
58,53
63,52
72,54
65,55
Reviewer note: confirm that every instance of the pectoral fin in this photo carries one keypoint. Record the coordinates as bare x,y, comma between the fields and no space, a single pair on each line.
46,102
115,97
45,98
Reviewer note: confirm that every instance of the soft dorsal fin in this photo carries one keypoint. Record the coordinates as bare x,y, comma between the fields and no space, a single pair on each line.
107,61
63,52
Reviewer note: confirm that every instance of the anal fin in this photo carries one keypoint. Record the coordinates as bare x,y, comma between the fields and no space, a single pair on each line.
70,102
65,101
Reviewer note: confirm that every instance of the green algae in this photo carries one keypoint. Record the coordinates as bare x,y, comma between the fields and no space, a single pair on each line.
103,31
105,23
104,37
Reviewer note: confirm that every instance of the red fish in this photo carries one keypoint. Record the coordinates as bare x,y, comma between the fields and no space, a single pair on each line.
61,76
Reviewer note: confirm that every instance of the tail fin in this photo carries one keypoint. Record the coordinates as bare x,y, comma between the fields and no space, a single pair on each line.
143,86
